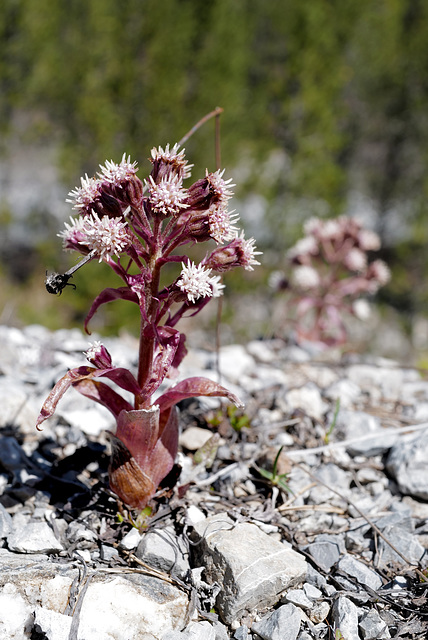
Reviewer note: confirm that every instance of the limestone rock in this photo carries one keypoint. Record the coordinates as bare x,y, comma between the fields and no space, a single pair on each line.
253,568
408,463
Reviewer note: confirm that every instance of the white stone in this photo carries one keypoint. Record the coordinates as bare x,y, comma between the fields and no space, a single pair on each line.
194,515
15,614
131,540
344,390
56,626
18,407
408,464
92,420
308,399
345,617
235,362
252,568
32,537
117,609
131,605
54,593
194,438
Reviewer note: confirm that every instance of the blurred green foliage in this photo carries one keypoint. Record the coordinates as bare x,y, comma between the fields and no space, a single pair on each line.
339,86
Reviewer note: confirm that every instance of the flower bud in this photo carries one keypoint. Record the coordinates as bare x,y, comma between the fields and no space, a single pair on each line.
168,164
98,355
126,192
208,191
238,253
196,225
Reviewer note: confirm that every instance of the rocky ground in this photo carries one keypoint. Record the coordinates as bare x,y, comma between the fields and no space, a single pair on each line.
305,516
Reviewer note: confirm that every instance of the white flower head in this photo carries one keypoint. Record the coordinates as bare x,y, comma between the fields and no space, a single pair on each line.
368,240
312,225
305,277
276,278
195,281
331,229
380,272
73,233
306,245
167,196
107,237
220,186
94,349
217,286
361,309
118,173
84,196
248,260
222,223
355,260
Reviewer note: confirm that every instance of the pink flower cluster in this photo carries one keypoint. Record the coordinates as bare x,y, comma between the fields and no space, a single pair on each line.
330,274
138,228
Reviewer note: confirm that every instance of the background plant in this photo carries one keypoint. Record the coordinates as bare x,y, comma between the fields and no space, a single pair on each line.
331,275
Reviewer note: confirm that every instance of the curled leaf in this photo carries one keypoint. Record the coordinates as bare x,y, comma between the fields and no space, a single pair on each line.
108,295
74,377
192,388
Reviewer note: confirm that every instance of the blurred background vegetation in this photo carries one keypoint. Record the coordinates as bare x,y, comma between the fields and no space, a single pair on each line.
325,113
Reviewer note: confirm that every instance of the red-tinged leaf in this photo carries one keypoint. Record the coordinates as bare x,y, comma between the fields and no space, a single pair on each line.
108,295
103,394
179,356
165,451
139,431
140,459
168,342
50,404
192,388
122,377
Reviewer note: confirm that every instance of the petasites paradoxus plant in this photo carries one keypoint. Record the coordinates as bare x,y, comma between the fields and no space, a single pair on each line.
138,229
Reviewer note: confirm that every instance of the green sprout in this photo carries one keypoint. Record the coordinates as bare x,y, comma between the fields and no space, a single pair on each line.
141,522
237,419
276,480
333,422
206,454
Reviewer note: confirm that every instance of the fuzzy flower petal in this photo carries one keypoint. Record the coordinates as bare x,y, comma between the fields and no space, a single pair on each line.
74,234
118,173
248,260
167,197
195,281
220,186
84,196
217,286
107,237
355,259
221,224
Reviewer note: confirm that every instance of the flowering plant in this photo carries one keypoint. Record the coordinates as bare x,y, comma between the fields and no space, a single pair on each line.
330,271
137,229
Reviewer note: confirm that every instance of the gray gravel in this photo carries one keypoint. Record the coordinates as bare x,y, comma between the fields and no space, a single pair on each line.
340,546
